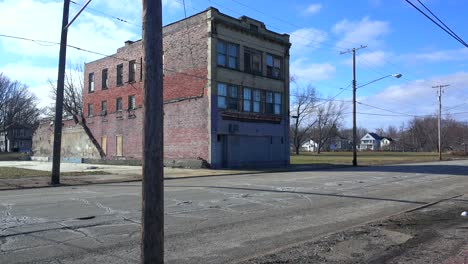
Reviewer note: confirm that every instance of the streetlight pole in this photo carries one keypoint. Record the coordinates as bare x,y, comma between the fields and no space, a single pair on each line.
353,51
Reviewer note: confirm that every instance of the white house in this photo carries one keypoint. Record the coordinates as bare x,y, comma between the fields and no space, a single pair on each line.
370,141
310,146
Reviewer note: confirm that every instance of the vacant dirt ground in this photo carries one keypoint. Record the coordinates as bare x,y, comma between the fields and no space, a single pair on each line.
436,234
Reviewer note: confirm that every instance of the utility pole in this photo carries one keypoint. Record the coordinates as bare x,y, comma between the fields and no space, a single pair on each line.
55,179
354,101
152,213
440,116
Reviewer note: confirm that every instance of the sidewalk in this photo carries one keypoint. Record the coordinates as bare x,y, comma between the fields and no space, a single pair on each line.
115,173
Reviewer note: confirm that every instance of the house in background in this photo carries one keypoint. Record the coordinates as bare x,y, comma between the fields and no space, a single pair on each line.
16,139
226,95
309,146
387,143
339,143
374,142
370,141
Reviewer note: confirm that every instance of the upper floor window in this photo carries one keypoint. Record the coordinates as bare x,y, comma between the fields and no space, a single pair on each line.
90,110
228,54
104,79
91,82
257,99
247,100
228,96
118,104
131,71
252,61
277,103
104,107
269,103
274,66
119,74
131,102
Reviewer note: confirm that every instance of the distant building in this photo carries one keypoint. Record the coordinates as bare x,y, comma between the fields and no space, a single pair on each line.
374,142
339,143
310,146
16,139
226,94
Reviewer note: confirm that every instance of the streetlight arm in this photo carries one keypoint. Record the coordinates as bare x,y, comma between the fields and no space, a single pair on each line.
398,75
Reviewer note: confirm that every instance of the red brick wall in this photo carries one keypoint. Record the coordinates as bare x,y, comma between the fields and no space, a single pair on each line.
185,87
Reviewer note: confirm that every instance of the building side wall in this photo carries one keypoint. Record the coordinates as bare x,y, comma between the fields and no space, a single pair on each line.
75,142
185,90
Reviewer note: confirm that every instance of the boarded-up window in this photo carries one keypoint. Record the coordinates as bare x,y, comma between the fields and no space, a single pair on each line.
119,143
104,144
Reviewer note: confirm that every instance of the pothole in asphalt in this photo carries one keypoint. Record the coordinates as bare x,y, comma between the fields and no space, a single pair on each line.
86,217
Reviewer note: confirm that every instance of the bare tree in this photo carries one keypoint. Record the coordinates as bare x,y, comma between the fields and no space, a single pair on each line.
18,106
302,109
329,115
73,102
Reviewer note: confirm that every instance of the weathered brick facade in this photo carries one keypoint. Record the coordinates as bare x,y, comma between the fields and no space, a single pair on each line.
245,124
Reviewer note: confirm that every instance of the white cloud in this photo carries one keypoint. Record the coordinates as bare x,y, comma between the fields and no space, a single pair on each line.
370,59
437,56
365,32
313,9
311,72
42,20
306,39
414,99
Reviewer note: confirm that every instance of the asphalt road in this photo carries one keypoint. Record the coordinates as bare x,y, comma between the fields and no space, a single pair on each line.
214,219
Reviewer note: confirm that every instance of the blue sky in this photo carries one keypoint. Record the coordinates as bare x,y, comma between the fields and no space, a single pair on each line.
399,40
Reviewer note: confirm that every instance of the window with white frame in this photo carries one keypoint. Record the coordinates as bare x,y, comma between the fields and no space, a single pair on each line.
228,54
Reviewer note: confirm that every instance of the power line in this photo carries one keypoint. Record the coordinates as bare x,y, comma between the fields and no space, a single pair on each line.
100,12
435,22
383,109
448,28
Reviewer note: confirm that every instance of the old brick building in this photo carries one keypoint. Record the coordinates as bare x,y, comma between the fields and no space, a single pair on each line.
226,93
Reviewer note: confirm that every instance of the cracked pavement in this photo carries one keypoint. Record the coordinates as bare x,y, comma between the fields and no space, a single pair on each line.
214,219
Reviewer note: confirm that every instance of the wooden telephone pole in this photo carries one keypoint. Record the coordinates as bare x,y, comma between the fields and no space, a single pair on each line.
152,213
440,116
353,51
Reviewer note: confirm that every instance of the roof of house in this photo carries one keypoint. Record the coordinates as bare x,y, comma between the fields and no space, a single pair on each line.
375,136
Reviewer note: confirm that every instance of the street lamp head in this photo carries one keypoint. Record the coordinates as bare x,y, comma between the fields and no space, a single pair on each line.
397,75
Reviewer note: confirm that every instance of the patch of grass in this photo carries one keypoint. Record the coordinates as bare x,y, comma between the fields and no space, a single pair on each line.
11,172
8,156
366,158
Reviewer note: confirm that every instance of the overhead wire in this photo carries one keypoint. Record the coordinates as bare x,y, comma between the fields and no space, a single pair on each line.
103,13
448,31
